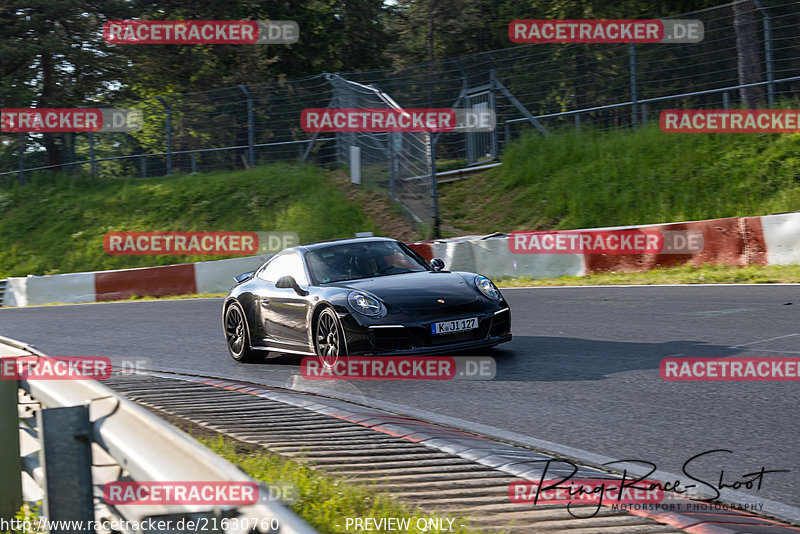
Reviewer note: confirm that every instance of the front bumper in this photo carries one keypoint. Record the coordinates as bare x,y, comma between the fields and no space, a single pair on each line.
415,337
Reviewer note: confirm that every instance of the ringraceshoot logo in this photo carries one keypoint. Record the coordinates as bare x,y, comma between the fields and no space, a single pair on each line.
201,32
70,120
605,31
729,121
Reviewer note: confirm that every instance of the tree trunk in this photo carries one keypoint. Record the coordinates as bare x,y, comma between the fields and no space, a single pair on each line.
748,48
45,100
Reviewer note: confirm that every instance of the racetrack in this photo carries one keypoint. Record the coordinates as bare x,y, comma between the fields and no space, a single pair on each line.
582,371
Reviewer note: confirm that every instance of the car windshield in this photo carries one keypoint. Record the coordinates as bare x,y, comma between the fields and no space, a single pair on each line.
361,260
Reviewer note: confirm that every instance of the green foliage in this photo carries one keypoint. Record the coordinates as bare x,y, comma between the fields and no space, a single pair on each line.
588,179
56,226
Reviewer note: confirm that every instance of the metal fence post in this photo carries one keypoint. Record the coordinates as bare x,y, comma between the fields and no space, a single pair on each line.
493,107
430,152
143,161
92,162
10,463
634,90
67,464
768,53
644,114
22,158
726,100
168,126
193,157
251,134
577,121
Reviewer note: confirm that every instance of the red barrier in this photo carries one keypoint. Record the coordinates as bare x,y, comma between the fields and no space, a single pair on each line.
422,248
734,242
156,281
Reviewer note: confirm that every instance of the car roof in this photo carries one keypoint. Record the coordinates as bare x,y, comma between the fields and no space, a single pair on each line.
347,241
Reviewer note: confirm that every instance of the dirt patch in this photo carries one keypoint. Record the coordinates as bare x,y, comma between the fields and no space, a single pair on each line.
377,207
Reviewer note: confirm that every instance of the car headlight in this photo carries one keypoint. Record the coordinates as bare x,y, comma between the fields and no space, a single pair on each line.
365,304
486,287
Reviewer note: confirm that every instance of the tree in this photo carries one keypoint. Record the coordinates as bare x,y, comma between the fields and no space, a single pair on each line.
53,55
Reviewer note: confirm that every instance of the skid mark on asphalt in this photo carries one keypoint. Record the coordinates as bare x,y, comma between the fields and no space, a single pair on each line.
748,346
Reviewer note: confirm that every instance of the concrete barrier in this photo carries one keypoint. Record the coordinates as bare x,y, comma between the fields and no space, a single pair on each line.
782,238
67,288
217,276
735,241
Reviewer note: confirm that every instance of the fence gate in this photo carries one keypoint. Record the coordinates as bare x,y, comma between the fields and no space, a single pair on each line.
481,146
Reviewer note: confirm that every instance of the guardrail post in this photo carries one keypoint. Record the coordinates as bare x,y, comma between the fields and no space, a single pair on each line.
634,90
726,100
143,161
22,158
644,114
577,121
93,163
193,158
168,126
10,463
67,464
251,133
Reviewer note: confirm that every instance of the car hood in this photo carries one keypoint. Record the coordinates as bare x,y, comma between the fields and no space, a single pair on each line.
413,291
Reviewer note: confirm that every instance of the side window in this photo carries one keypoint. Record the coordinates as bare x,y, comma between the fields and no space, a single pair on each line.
283,265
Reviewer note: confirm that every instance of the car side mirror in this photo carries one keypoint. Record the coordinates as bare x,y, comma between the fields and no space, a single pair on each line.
286,282
437,264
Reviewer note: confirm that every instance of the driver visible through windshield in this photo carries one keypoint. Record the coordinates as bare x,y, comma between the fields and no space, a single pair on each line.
360,260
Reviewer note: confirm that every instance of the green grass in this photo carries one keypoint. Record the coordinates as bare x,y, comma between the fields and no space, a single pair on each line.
58,226
325,500
589,179
706,274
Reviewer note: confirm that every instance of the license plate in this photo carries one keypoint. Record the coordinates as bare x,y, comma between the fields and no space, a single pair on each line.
458,325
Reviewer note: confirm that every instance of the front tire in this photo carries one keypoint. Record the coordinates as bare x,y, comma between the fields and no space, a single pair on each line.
236,335
329,338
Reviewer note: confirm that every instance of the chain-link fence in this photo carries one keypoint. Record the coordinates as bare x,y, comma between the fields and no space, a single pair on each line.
542,87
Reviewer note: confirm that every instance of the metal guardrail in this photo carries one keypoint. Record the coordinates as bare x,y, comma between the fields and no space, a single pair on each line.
113,439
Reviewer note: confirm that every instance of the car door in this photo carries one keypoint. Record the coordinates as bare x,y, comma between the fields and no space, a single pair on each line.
282,311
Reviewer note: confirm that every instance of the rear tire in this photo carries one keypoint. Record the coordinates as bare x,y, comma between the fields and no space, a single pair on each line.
236,335
328,338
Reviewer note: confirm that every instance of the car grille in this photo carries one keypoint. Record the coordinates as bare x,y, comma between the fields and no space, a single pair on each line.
390,338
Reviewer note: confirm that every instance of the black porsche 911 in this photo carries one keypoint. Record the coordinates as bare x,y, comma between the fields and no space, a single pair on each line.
364,296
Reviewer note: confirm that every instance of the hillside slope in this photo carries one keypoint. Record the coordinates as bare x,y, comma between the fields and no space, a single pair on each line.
589,179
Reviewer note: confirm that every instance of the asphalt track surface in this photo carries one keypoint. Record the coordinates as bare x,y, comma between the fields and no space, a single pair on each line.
582,371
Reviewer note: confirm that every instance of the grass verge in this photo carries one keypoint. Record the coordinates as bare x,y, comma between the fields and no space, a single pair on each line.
58,227
706,274
588,179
